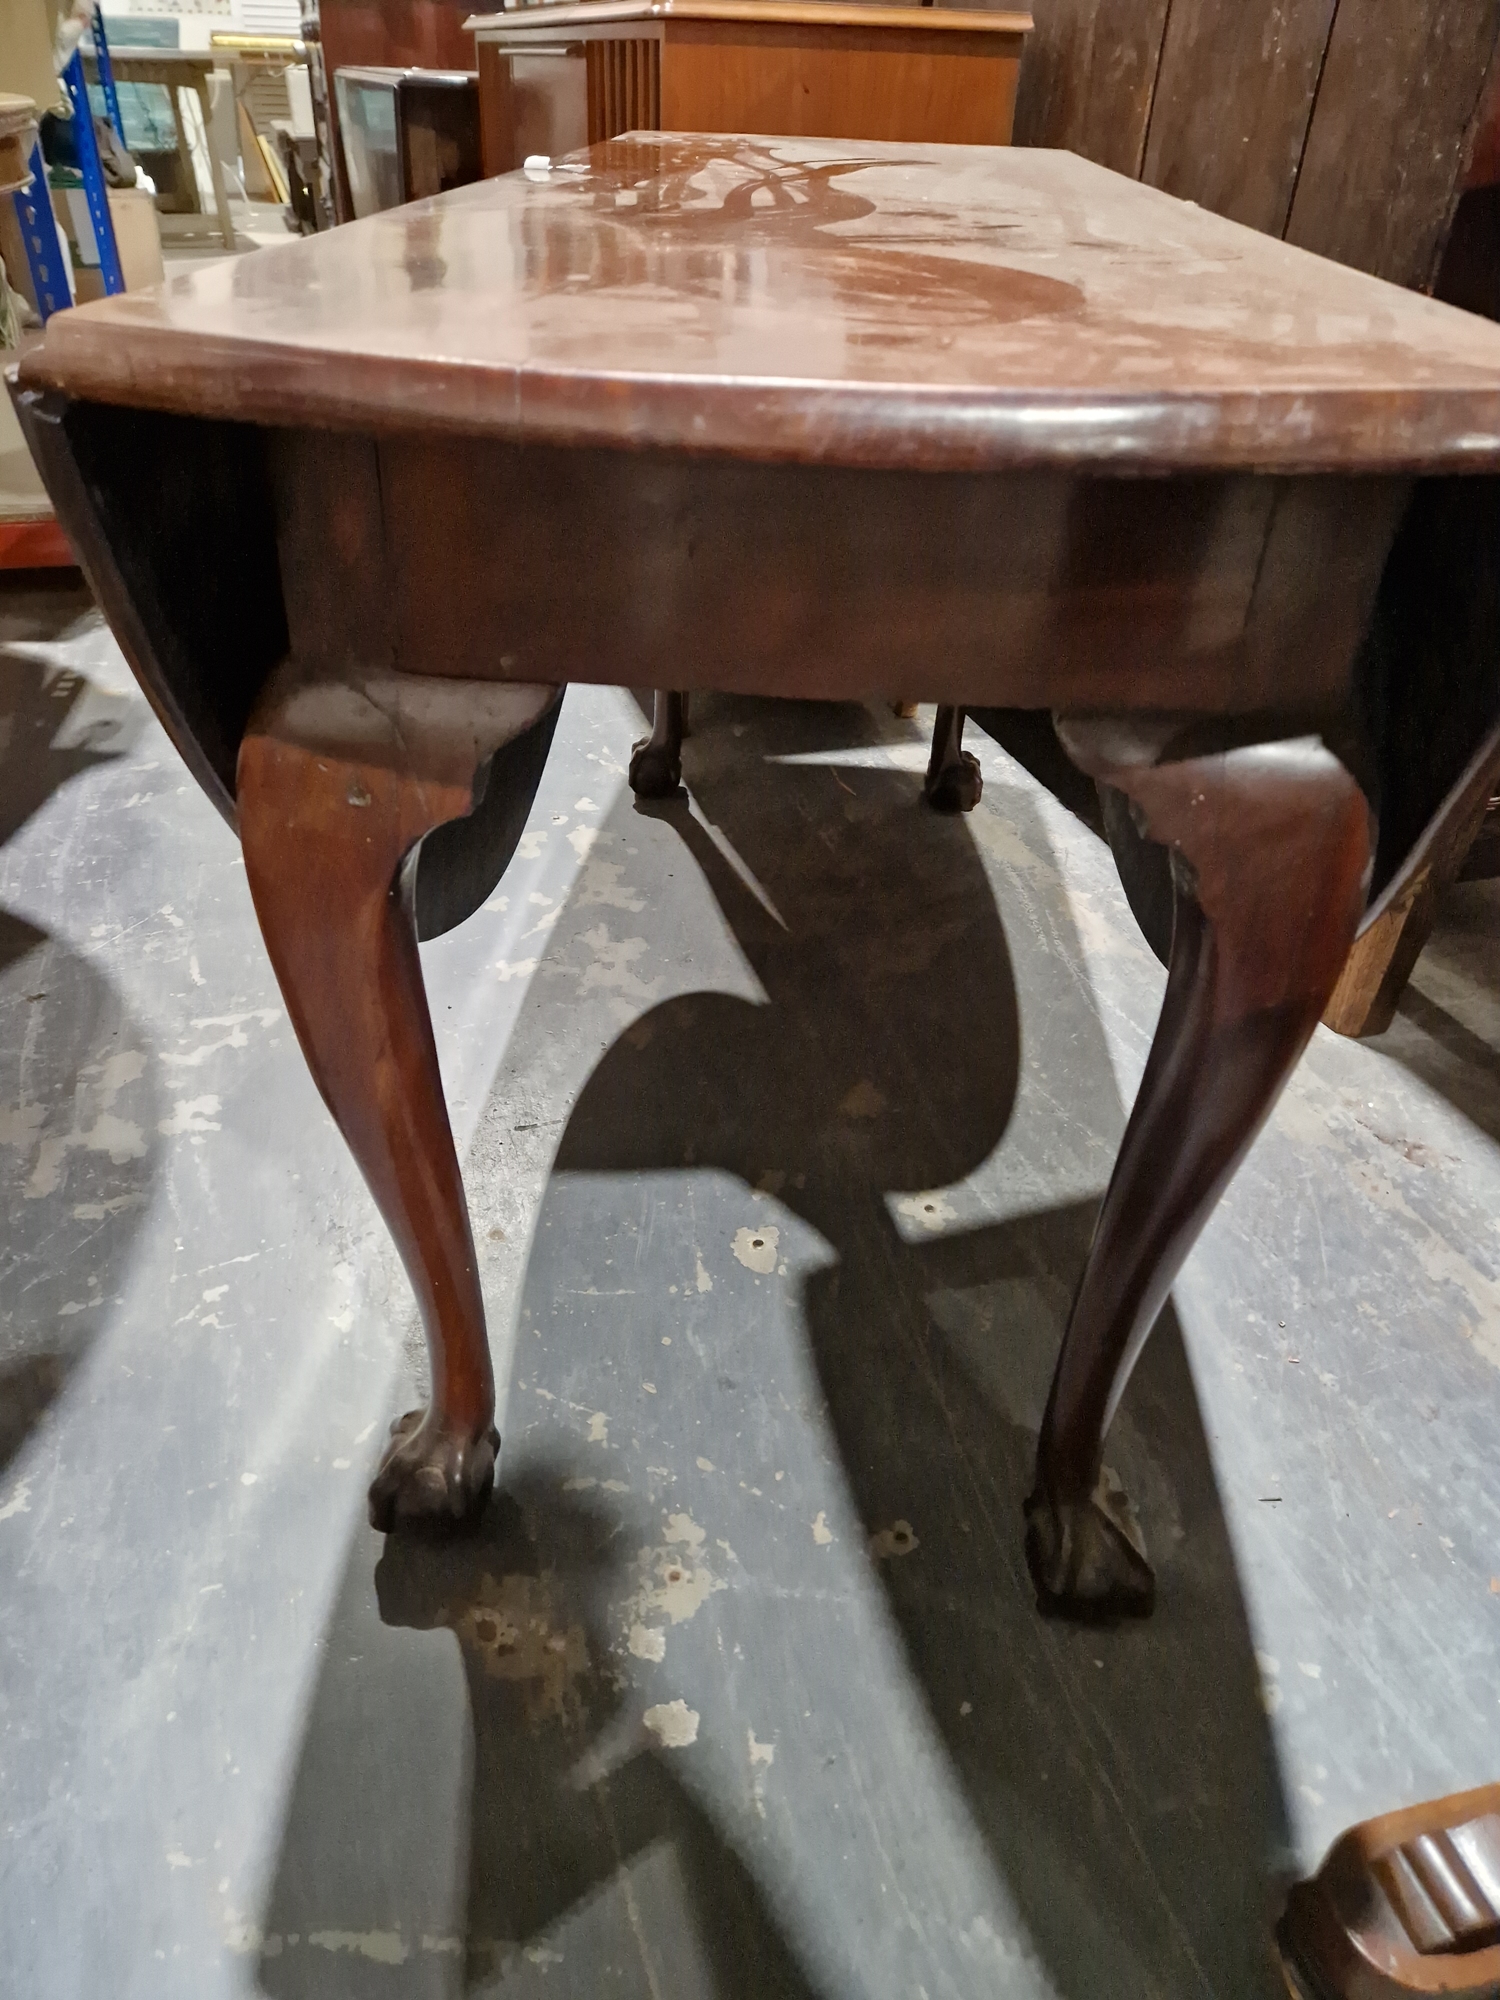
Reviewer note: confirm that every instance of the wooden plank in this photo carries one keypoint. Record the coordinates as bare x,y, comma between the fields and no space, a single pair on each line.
1088,76
1398,109
1345,125
1233,100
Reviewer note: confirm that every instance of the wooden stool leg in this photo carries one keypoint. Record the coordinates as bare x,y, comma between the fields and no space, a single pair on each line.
1271,850
337,783
953,783
656,764
1383,959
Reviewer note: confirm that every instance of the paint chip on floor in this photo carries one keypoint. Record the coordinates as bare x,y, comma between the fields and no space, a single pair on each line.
673,1724
928,1211
384,1947
646,1643
896,1540
756,1249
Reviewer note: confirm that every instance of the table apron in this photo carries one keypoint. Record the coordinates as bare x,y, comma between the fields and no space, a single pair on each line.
478,559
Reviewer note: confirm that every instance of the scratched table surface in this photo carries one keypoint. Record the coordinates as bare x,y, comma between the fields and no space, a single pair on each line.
815,300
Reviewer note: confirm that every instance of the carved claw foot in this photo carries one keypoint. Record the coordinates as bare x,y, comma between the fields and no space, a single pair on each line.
655,770
430,1476
1086,1558
957,788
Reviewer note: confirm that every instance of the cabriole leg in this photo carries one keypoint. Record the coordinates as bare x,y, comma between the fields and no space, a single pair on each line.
1271,849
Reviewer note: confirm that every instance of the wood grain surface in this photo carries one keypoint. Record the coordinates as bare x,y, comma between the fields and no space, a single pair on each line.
1233,98
1088,79
839,302
1346,125
1033,589
1397,114
897,83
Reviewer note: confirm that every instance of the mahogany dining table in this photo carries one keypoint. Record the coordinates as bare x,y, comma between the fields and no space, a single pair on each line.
801,418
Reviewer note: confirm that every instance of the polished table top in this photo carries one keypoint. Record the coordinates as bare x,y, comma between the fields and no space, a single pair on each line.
814,301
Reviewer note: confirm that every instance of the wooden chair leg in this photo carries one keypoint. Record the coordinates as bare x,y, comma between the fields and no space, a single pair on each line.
1271,848
338,781
1385,955
953,783
1381,962
656,763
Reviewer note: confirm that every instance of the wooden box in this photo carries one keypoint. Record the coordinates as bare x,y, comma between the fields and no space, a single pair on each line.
554,78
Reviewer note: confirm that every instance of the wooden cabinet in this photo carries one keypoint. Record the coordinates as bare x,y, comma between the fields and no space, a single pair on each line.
401,34
406,133
558,77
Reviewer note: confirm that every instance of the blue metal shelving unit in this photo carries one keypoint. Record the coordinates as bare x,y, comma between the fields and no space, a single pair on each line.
44,254
95,192
107,75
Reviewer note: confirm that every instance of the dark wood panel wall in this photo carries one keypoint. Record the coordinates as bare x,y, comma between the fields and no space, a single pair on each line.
1343,125
1235,92
1403,87
1088,77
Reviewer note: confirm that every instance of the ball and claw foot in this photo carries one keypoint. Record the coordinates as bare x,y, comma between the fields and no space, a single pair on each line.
1086,1559
655,770
957,787
431,1477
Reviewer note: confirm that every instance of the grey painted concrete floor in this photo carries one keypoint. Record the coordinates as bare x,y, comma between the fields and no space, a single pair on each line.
785,1119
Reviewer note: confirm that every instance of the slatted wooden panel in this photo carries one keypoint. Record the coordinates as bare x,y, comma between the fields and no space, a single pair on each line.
624,87
1088,76
1234,94
1403,89
1344,125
